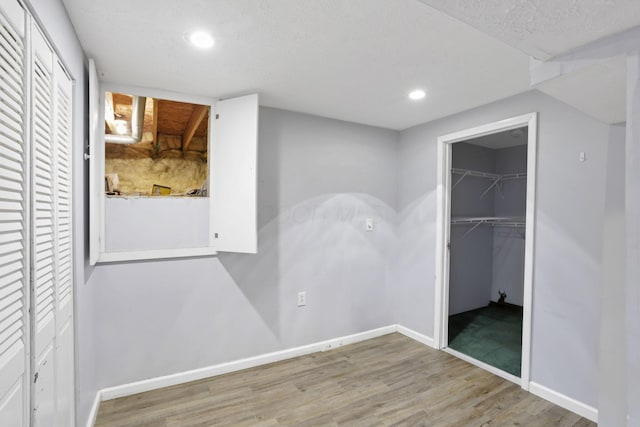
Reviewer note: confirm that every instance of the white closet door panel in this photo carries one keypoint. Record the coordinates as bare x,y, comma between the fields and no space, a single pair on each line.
12,406
64,374
13,264
10,87
12,372
64,361
41,50
62,140
13,14
42,196
44,397
11,57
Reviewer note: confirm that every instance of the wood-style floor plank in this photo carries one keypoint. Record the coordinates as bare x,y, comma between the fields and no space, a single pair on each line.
387,381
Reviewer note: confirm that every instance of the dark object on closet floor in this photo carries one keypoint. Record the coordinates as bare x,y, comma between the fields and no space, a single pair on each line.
503,296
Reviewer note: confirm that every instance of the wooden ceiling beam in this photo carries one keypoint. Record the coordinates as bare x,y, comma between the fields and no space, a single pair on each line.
154,122
199,113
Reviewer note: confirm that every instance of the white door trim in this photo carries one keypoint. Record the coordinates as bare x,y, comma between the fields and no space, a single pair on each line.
443,194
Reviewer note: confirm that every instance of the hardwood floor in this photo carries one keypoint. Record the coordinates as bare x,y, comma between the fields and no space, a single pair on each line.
390,380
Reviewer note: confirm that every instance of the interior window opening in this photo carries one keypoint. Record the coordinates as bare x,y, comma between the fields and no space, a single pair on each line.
155,147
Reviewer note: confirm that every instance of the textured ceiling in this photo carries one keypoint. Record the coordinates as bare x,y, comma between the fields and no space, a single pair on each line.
354,60
544,28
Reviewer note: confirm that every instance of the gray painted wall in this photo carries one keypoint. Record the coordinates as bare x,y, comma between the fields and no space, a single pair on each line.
612,402
471,256
568,248
318,181
508,243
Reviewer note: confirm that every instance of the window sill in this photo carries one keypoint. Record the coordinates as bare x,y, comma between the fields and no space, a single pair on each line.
108,257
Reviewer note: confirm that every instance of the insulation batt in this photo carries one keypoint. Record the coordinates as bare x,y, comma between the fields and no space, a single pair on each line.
139,175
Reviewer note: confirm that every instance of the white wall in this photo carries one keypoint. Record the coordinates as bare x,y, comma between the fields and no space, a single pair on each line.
318,181
568,249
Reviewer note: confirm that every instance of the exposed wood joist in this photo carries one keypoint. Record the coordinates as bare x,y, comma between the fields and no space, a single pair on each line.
199,113
154,122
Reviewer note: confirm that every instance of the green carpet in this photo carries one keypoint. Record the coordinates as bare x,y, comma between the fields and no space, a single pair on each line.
491,334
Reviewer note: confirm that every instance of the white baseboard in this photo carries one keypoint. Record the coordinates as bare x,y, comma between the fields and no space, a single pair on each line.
566,402
416,336
93,413
237,365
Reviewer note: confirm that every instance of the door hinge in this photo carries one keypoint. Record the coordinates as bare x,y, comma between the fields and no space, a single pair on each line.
449,245
35,378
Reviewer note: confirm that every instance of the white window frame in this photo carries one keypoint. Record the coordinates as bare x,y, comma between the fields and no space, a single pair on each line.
112,256
237,234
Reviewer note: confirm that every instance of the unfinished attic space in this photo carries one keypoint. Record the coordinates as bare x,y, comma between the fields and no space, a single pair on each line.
154,147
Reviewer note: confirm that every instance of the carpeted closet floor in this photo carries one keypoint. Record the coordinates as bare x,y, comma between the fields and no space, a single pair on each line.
491,334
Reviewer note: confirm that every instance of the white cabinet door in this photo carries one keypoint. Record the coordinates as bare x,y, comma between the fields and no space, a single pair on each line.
96,175
234,156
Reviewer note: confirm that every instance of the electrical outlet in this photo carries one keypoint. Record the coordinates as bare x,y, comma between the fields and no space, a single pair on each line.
302,299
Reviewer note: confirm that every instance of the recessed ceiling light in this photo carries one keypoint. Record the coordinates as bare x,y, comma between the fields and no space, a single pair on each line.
417,94
199,39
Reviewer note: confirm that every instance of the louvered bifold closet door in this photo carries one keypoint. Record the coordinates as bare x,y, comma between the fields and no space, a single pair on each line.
64,284
62,141
43,255
13,217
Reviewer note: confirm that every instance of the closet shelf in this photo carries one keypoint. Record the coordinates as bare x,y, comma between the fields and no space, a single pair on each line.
496,179
492,221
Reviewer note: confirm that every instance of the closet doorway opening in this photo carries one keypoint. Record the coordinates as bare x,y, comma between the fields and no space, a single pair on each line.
484,252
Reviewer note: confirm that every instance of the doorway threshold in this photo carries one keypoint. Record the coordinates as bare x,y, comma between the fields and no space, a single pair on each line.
498,372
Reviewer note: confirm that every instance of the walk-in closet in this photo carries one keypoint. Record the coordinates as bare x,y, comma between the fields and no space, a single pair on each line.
488,194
